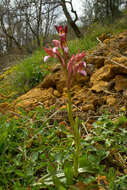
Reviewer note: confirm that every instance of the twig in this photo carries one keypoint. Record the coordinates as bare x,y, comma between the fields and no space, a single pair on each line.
53,114
119,64
40,103
83,124
76,107
99,40
107,92
16,114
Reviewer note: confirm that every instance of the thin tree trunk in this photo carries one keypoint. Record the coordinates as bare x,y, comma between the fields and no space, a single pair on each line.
11,37
70,21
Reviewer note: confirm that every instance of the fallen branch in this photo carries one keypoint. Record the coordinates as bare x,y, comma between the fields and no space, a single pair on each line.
84,125
119,64
99,40
16,114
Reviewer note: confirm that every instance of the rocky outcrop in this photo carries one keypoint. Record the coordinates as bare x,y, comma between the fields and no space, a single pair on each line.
104,88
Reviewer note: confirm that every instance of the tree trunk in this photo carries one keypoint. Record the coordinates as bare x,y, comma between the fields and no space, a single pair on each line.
70,21
9,36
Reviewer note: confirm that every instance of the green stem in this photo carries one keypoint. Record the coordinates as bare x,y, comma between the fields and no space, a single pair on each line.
74,126
70,115
76,160
77,145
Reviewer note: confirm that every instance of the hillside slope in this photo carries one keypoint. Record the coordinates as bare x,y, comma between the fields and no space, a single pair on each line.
37,146
104,88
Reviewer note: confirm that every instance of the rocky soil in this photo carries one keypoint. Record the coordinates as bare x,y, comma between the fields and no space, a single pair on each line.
104,88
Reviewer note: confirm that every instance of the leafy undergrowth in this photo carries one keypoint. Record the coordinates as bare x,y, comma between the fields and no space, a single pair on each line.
36,153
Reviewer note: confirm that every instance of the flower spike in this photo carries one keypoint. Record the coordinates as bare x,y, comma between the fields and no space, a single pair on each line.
75,64
70,67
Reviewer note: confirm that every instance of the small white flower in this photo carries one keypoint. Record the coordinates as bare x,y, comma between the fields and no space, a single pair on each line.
84,64
55,49
46,58
66,49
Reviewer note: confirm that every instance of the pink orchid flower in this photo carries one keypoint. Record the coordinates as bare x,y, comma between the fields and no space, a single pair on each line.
63,38
75,64
61,31
79,56
62,44
49,51
53,52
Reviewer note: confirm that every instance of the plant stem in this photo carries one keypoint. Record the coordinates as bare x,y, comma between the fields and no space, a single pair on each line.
76,160
77,145
74,126
70,111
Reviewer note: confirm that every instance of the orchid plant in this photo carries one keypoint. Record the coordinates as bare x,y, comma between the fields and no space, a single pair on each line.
71,66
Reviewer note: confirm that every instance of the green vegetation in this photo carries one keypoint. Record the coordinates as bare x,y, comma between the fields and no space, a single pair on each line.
37,152
95,30
29,72
25,75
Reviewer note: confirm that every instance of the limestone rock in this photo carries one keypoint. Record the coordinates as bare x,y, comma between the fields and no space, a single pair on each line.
30,100
104,36
111,100
104,73
100,86
55,80
80,79
49,81
95,60
120,83
125,93
108,72
56,93
56,68
60,84
88,107
90,69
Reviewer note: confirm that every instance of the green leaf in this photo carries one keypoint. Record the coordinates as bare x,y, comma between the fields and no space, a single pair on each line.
68,170
20,173
34,156
29,171
58,183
